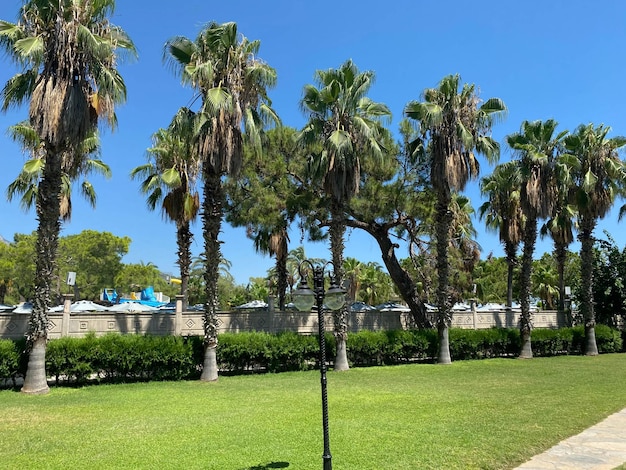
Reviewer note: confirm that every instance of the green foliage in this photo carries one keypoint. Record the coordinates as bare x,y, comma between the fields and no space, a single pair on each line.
609,291
116,357
9,359
95,257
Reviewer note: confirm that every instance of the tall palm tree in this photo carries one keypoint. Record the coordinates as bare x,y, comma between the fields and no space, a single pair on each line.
68,52
346,126
225,72
599,175
502,213
537,148
453,125
169,181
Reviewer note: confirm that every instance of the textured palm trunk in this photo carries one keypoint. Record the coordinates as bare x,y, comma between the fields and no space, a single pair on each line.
444,312
560,254
337,231
48,213
526,324
183,240
586,282
511,260
212,222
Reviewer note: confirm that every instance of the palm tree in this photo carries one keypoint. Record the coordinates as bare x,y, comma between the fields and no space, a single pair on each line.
537,148
544,284
169,180
346,126
225,72
453,125
276,243
26,184
352,268
68,54
598,175
502,213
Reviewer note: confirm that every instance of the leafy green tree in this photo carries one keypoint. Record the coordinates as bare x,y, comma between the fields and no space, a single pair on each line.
7,269
225,72
344,128
609,290
137,276
264,199
453,125
95,257
536,147
68,54
491,278
394,202
502,213
169,181
598,177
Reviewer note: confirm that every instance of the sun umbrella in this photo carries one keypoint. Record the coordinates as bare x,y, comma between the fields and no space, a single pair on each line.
132,307
87,306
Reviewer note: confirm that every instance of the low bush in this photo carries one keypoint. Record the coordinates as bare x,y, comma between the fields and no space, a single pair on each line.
9,360
115,357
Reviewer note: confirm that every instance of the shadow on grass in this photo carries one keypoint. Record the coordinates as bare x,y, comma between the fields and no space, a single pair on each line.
268,466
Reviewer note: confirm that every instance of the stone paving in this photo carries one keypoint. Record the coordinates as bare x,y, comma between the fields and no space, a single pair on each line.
601,447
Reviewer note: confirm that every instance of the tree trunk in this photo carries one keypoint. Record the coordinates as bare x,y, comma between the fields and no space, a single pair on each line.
403,281
585,235
183,239
36,381
212,222
444,309
337,231
443,355
511,260
48,213
530,237
560,254
281,271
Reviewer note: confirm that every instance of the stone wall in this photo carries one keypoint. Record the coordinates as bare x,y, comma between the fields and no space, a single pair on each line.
14,325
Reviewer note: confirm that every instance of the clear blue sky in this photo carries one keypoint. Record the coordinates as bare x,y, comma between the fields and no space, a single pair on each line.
546,59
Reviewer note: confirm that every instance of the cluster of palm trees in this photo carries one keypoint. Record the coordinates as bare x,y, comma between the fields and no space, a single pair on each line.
69,51
568,180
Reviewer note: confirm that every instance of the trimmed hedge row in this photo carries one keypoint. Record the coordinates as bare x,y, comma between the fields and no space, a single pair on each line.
116,357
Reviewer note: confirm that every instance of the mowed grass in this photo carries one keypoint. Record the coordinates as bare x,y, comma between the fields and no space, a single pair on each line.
487,414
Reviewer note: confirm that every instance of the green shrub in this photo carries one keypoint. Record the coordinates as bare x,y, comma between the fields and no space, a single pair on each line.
9,360
71,358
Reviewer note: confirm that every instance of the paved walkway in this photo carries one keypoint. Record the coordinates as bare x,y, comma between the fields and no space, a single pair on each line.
601,447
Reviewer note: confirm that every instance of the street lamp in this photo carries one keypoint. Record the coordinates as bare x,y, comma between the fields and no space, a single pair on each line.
304,298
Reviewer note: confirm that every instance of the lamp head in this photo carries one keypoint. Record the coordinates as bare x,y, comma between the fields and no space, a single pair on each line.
303,297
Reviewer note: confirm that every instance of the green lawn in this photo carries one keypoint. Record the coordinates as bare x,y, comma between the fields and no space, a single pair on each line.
476,414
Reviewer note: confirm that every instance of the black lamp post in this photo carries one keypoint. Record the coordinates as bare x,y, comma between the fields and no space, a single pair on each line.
304,298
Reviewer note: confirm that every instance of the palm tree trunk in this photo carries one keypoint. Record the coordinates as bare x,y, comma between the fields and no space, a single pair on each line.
183,240
444,313
48,213
586,281
212,222
511,260
560,254
337,231
530,237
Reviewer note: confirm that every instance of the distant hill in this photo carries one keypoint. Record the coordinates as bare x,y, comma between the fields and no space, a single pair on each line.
2,240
